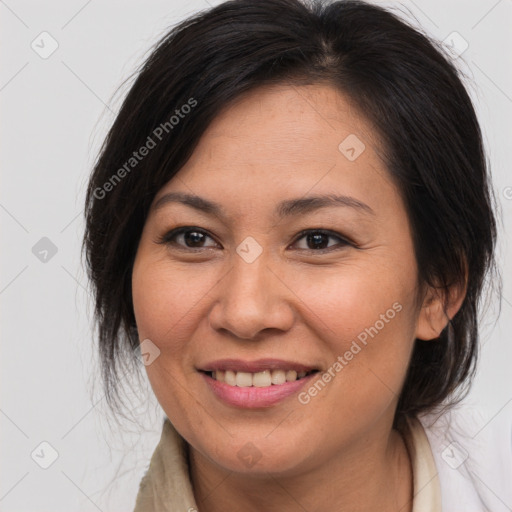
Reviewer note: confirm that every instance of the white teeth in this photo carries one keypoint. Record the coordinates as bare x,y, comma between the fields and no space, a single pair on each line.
291,375
278,377
261,379
243,379
230,378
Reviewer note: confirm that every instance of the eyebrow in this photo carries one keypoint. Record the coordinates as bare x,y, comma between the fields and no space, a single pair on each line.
285,208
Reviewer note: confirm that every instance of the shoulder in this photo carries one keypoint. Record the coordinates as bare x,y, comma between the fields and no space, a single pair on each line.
472,449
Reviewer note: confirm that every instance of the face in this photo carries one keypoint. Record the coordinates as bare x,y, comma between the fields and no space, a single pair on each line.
268,273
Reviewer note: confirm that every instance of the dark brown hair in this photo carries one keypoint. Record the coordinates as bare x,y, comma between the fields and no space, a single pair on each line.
398,78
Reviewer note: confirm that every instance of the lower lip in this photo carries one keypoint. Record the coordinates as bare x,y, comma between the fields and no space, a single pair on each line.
254,397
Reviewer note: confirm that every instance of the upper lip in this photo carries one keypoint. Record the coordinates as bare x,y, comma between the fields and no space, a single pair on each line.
259,365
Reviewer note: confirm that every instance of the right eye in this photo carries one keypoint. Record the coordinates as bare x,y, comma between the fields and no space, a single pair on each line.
186,237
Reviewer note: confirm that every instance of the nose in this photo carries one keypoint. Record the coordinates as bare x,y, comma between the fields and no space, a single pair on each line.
250,299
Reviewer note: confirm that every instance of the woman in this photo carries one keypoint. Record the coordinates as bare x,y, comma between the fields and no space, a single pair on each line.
283,220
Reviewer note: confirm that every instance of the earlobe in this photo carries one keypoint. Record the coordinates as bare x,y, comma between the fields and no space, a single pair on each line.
431,320
436,311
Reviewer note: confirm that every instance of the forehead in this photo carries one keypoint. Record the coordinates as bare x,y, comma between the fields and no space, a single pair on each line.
279,141
285,124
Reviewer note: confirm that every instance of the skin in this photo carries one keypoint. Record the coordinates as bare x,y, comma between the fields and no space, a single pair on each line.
295,302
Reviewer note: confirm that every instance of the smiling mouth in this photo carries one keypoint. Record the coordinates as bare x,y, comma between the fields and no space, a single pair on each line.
261,379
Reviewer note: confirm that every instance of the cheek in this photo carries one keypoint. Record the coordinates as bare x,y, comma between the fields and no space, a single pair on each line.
168,304
366,318
346,300
168,300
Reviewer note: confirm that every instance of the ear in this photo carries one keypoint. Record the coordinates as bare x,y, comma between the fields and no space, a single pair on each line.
438,308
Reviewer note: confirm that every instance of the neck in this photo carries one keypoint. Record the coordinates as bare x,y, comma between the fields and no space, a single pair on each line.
375,476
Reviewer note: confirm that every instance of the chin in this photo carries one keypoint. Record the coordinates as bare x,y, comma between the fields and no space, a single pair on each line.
258,454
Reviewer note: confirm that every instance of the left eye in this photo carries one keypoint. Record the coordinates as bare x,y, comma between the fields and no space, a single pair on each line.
317,240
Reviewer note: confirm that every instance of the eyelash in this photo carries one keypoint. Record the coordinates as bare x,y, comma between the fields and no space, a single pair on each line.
167,239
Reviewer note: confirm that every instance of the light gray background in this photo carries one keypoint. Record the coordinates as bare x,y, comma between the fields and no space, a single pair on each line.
55,112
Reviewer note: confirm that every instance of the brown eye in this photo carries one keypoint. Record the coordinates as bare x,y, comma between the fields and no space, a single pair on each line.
187,237
318,240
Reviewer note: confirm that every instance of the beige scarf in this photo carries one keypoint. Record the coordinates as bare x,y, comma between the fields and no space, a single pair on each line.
166,486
